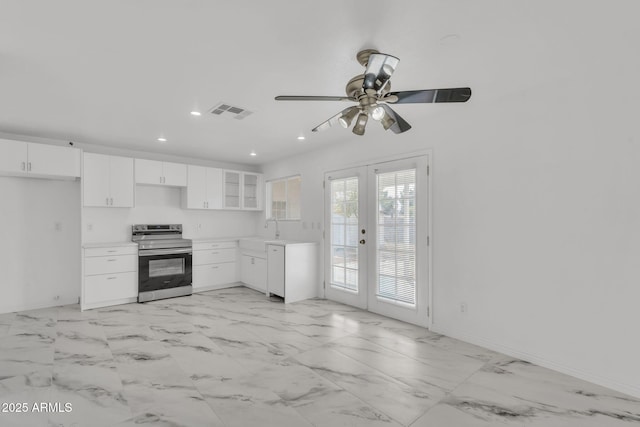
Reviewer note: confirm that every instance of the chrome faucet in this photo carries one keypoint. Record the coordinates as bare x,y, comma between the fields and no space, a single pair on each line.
266,225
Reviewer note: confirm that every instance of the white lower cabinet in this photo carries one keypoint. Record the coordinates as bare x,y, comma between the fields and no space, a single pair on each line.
107,289
253,271
214,265
110,276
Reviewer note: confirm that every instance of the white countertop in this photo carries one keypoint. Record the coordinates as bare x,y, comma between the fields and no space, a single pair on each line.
213,239
288,242
108,245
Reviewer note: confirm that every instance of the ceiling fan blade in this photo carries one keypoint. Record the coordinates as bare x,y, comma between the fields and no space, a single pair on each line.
313,98
459,94
400,124
331,121
379,70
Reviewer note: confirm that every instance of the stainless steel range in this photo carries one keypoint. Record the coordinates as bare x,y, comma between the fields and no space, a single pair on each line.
164,261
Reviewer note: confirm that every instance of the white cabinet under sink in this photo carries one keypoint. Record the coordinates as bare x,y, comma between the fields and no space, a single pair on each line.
253,270
154,172
28,159
107,181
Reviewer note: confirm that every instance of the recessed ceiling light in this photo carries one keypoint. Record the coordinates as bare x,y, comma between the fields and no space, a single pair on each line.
253,153
196,113
301,138
162,139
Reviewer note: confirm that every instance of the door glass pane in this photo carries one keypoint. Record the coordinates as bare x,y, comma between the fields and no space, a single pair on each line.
396,242
344,233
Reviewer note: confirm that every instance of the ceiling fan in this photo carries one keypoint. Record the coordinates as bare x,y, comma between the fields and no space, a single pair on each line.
372,92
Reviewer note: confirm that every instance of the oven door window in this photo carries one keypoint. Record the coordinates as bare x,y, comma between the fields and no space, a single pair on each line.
166,267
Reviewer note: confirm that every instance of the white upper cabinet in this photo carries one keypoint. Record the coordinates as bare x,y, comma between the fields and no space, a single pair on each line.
161,173
38,160
252,191
108,181
204,188
232,189
242,190
214,188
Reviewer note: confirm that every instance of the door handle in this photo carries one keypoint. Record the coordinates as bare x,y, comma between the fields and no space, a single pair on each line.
22,166
362,242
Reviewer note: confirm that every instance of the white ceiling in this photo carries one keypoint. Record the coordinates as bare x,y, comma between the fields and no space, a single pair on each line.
122,73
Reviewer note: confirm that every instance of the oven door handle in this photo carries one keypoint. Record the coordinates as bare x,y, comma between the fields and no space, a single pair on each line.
153,252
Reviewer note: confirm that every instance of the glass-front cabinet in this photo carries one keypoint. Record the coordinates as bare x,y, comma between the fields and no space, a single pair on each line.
232,189
243,190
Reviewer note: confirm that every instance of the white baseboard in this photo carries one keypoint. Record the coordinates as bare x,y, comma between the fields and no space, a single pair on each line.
215,287
627,388
26,307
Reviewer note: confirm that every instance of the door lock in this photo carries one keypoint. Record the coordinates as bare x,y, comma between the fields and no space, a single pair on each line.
362,242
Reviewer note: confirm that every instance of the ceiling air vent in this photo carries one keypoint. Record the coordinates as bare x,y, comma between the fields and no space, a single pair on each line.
223,109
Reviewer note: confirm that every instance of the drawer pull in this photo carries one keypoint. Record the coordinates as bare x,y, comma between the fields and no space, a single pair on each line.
215,266
111,260
111,278
215,253
112,251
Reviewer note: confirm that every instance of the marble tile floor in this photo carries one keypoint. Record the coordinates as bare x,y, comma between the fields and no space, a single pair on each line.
234,358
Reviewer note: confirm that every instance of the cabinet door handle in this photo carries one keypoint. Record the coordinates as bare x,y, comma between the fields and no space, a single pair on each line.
107,201
29,166
112,201
23,166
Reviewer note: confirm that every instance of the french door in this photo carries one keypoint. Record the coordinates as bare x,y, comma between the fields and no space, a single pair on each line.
345,236
376,238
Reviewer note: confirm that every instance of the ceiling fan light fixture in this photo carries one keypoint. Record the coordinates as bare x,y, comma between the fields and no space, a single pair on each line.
361,123
346,118
387,121
377,113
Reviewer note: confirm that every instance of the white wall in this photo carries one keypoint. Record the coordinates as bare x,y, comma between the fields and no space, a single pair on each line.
161,205
39,265
536,207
